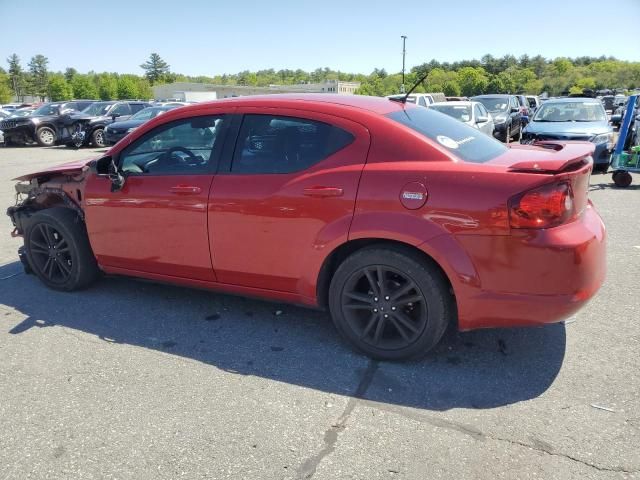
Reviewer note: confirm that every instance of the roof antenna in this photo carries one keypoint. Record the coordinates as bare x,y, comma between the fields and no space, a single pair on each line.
404,99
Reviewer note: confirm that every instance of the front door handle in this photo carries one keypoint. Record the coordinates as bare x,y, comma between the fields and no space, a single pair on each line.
185,190
323,192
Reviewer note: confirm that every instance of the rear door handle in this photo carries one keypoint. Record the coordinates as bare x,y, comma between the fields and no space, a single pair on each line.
185,190
323,192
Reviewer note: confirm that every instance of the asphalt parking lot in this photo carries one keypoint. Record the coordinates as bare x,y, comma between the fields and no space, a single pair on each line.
133,380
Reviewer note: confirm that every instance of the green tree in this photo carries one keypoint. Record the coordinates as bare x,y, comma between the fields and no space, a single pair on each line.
155,68
84,87
144,89
39,76
107,86
127,87
59,88
69,73
451,88
16,76
473,81
5,91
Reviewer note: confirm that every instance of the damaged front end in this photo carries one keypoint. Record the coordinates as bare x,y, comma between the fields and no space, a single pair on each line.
45,192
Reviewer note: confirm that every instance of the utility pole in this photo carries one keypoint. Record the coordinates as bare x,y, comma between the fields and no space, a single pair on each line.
404,52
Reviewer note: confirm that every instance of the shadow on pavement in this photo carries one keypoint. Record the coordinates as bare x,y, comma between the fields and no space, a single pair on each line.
482,369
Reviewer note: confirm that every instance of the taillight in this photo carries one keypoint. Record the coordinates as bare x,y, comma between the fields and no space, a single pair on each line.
543,207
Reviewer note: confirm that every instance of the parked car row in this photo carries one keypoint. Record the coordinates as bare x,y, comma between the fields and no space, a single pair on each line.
75,123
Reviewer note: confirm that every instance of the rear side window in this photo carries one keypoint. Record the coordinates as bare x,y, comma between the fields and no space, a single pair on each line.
461,140
277,144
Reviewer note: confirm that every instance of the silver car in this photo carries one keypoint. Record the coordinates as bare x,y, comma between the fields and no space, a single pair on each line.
473,114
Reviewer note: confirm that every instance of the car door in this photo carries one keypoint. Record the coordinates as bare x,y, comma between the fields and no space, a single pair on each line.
157,222
515,116
286,197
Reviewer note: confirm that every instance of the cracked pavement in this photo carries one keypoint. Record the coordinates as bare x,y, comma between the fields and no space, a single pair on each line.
134,380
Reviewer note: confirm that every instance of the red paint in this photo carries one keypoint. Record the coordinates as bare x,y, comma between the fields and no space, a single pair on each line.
269,235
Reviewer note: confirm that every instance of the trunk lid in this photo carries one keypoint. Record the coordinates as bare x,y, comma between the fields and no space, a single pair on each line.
547,157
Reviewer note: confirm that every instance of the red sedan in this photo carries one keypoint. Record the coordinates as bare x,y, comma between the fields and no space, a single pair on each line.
398,219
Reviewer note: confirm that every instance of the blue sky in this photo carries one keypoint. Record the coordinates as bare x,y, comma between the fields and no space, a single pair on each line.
213,37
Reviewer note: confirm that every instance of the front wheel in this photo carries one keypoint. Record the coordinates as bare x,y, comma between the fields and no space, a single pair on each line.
58,249
97,138
389,303
46,137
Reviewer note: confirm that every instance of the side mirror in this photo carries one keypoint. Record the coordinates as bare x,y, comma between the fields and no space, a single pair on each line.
482,119
114,116
514,110
106,167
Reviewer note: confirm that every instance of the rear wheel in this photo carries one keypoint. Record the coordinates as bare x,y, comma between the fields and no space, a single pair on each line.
46,137
58,249
389,303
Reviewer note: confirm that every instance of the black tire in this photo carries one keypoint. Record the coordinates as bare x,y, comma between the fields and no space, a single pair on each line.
72,266
97,138
622,178
46,137
421,312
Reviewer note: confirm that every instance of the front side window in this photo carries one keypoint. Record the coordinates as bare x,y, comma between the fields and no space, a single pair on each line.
121,109
463,141
477,113
182,147
275,144
98,109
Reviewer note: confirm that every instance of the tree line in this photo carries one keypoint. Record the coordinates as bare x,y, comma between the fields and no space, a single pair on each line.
37,81
507,74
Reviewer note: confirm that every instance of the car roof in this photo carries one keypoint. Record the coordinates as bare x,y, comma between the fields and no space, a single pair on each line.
573,100
373,104
456,103
493,95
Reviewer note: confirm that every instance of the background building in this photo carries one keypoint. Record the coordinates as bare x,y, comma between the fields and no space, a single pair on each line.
176,90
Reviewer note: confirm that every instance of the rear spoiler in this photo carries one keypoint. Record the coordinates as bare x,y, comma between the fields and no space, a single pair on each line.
564,155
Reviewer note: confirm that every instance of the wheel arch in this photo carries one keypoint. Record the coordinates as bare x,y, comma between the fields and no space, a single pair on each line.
340,253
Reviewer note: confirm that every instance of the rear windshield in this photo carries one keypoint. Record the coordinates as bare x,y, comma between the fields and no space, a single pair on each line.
463,141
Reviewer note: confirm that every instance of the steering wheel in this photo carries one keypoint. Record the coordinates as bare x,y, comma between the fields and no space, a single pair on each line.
169,153
167,160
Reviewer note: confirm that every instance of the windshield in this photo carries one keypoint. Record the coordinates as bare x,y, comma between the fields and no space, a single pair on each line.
459,112
46,109
148,113
494,104
460,139
571,112
98,109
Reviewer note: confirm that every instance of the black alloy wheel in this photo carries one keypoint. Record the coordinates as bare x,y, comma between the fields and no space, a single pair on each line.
50,254
384,307
390,302
58,251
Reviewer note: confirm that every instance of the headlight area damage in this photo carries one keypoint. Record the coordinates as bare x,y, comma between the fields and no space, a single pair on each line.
46,191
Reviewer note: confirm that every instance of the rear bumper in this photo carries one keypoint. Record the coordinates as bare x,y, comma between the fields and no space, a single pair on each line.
534,279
